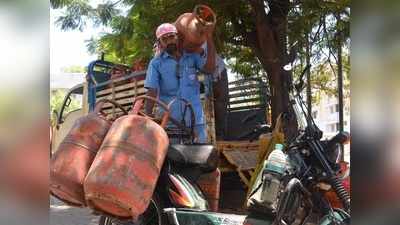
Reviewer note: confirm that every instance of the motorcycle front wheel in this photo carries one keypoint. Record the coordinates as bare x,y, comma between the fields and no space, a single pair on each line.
152,216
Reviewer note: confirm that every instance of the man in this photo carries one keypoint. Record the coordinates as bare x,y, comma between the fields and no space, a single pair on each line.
217,83
172,74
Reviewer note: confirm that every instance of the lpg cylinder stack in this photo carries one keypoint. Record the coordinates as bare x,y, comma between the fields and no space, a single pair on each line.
73,158
113,166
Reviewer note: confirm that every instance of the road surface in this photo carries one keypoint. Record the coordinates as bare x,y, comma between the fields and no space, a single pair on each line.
61,214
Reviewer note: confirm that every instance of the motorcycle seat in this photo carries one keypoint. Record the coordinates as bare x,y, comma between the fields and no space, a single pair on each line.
202,156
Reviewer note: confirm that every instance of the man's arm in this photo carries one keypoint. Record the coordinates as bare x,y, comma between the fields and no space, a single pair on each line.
152,85
150,104
209,66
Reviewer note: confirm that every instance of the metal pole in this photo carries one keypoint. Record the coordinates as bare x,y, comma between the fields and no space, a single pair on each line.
340,81
308,55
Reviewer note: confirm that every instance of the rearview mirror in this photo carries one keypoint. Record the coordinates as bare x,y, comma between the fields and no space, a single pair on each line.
68,101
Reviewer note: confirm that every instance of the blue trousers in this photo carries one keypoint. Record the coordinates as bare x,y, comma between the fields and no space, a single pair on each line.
200,133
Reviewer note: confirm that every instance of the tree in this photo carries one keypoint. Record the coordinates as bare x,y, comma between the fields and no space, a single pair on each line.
259,36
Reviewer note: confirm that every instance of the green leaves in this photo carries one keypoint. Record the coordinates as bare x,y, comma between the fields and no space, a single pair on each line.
75,14
55,4
133,23
245,64
104,13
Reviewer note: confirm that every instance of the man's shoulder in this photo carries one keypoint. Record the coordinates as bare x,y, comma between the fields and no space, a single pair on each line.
155,60
191,54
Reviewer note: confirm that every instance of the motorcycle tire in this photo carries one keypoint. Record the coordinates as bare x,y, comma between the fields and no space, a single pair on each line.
152,216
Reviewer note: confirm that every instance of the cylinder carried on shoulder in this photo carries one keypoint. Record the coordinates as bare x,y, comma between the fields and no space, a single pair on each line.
71,162
123,176
194,27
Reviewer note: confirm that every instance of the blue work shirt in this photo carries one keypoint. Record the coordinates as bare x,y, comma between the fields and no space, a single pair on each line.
214,77
162,75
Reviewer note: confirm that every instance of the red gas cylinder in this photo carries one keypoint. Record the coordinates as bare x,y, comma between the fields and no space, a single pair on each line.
125,171
194,27
71,162
210,184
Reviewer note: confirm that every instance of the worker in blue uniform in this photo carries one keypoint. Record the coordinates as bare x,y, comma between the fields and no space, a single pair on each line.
173,74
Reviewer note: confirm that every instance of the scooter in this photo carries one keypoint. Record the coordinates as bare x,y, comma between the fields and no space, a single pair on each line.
177,184
295,194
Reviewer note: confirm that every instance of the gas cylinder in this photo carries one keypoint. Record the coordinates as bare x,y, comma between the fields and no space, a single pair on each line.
194,27
123,176
210,184
71,162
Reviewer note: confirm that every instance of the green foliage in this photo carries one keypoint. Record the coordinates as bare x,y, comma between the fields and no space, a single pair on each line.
133,23
56,102
322,23
55,4
245,63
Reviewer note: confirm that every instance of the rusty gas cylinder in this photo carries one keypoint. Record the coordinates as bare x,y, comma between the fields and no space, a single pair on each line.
194,27
210,184
125,171
71,162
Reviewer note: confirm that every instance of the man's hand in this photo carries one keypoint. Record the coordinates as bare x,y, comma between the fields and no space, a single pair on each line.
209,66
149,105
210,34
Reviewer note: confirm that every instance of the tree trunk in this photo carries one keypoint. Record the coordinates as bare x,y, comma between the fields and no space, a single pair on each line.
271,51
340,80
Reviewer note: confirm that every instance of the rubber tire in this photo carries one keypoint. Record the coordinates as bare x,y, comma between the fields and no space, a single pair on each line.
156,205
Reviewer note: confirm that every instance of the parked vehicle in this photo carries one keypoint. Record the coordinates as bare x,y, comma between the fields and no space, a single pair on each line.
315,170
246,96
292,187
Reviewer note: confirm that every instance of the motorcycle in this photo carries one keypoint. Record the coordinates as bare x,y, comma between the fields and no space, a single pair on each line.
177,184
316,170
297,194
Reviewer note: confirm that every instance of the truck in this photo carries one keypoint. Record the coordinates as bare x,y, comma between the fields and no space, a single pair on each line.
247,107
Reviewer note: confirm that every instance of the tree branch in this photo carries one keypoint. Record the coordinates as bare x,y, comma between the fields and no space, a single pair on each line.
115,3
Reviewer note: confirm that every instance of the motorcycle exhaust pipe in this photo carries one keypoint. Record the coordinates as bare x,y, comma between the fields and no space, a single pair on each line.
293,185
